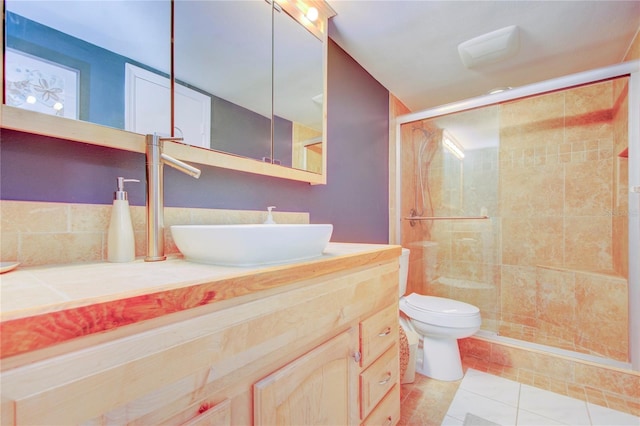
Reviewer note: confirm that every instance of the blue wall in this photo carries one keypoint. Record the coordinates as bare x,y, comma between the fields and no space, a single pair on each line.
101,72
355,199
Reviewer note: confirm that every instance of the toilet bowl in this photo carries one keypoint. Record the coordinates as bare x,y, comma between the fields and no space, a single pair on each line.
439,322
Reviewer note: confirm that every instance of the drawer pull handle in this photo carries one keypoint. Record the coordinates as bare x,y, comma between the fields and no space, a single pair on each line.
357,356
386,379
386,332
389,420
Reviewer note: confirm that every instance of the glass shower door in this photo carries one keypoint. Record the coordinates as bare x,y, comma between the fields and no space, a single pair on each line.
522,209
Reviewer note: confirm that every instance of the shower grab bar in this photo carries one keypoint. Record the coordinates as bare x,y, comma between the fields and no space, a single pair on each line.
445,217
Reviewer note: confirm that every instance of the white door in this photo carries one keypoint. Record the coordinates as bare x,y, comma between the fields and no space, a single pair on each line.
147,107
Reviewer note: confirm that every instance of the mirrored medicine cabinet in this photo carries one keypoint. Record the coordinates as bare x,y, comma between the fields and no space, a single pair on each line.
241,82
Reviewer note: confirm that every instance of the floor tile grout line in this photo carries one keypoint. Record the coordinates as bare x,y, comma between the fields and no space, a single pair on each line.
487,397
586,406
518,401
553,393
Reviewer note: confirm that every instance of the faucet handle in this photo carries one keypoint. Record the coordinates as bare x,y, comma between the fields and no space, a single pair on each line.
172,139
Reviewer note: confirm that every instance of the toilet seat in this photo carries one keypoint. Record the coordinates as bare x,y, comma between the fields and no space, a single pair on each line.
440,311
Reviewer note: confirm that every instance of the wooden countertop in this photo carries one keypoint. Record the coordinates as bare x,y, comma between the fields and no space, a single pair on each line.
43,306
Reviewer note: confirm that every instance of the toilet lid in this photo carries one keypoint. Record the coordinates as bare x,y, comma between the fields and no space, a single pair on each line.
441,305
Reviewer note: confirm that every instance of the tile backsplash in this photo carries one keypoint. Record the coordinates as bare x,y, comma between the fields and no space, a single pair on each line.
43,233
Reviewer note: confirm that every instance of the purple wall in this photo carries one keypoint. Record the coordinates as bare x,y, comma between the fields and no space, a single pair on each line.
355,199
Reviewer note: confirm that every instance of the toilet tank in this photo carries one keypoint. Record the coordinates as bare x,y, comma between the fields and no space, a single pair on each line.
404,272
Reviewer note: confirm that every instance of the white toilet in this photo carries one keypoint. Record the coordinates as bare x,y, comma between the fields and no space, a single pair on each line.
440,322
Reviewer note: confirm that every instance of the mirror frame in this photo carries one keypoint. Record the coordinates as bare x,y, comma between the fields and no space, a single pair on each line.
94,134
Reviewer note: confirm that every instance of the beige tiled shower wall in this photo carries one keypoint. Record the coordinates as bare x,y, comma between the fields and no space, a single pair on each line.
556,183
620,207
564,230
416,236
41,233
588,310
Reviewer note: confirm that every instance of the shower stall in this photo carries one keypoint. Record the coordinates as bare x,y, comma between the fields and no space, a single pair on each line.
525,203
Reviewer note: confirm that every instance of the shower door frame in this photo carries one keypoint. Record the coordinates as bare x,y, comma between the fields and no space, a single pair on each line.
630,69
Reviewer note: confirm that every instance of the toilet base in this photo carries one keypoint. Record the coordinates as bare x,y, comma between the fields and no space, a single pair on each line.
440,359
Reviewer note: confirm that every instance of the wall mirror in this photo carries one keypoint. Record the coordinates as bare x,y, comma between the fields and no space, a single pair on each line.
298,106
68,59
248,78
238,35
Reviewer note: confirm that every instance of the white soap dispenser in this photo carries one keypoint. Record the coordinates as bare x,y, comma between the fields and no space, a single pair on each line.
121,245
269,216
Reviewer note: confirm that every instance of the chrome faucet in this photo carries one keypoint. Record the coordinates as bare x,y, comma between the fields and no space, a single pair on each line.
155,193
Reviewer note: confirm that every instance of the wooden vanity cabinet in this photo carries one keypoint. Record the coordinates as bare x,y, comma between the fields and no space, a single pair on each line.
286,355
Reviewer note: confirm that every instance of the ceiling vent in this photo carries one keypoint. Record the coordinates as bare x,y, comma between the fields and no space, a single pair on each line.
491,47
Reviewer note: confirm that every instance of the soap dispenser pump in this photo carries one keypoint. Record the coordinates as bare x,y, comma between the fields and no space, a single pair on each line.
120,239
270,216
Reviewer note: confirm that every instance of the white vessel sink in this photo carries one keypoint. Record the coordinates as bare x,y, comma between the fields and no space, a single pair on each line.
251,245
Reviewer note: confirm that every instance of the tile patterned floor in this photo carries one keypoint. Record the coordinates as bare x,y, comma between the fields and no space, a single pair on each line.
499,400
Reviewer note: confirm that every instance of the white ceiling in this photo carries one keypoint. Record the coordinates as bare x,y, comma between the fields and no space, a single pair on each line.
411,47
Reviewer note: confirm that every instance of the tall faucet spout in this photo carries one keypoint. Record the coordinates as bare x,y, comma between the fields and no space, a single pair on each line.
180,165
155,193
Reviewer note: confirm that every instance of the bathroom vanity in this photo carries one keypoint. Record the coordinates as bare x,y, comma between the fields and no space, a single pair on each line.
174,342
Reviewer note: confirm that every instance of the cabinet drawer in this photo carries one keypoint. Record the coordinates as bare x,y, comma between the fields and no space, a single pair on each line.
378,379
387,412
377,333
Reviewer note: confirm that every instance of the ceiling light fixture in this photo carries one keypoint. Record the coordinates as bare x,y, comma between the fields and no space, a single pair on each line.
491,47
312,14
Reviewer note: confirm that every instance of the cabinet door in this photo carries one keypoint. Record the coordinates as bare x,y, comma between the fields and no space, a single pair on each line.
319,388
